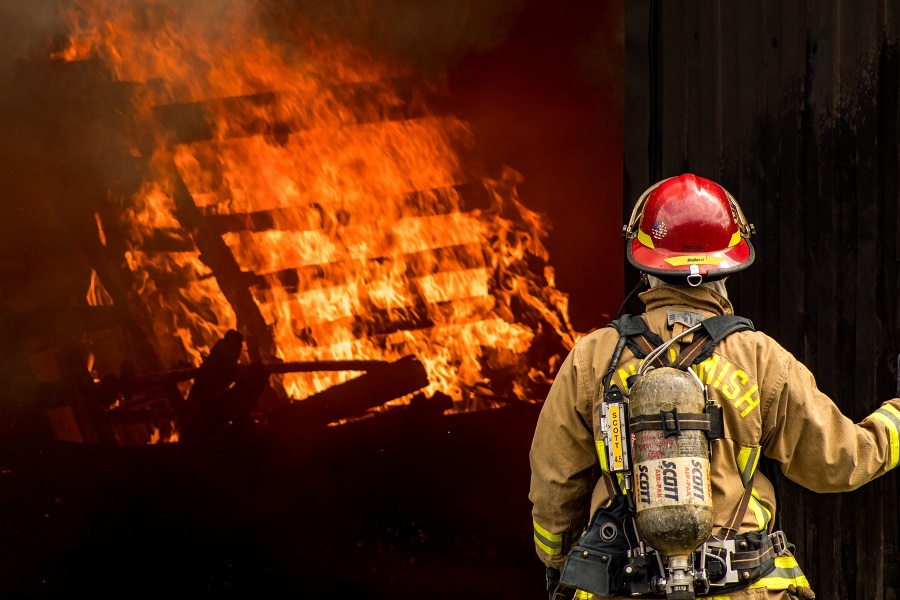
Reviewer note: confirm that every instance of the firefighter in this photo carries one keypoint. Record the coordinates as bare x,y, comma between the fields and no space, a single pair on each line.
686,235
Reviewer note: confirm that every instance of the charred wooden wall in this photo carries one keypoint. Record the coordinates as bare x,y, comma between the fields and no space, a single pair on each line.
793,106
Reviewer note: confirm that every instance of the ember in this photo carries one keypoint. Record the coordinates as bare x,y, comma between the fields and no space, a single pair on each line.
303,191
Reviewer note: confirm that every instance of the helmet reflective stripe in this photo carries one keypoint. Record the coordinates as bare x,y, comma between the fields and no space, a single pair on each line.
678,261
644,239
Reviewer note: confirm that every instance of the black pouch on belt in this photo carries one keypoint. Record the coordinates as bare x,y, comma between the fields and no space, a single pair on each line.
595,563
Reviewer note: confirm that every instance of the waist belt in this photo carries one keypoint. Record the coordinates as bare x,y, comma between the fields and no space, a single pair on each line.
738,562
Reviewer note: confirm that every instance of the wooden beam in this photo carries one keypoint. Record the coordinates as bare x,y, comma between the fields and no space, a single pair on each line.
279,114
345,400
218,257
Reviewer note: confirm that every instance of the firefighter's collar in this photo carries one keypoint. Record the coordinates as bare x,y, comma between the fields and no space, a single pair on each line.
682,295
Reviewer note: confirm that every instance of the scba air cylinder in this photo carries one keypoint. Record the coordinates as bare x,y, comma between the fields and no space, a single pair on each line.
671,465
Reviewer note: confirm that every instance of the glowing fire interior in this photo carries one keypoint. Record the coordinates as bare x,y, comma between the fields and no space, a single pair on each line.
320,183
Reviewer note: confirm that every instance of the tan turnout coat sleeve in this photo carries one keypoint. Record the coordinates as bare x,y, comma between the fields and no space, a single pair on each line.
770,403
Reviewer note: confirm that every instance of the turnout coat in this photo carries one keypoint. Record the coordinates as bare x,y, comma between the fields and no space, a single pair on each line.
771,407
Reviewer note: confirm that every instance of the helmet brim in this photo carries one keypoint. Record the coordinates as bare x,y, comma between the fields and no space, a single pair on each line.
676,266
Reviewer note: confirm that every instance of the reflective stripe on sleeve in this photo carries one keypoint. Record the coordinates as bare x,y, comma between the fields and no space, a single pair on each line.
889,416
583,595
787,573
551,543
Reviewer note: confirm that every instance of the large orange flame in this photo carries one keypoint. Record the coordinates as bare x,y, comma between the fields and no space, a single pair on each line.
339,195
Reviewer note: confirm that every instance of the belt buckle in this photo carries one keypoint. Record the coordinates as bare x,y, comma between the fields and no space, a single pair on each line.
731,575
779,542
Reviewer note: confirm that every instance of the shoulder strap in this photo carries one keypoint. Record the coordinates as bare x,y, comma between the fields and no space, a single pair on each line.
639,338
718,328
629,325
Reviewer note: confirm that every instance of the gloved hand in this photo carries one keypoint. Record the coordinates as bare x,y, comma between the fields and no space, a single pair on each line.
800,593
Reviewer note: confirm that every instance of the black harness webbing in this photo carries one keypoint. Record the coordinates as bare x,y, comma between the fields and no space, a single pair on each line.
639,336
670,422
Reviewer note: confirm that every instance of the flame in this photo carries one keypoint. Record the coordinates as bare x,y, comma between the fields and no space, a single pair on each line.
97,294
334,189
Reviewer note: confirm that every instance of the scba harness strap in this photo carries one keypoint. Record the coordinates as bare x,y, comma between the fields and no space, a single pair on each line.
597,563
635,334
639,335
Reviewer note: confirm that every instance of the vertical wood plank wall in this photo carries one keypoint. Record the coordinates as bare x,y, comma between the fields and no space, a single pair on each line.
793,106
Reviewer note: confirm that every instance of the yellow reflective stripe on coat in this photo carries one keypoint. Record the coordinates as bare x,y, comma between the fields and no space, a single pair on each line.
551,543
762,514
889,416
601,454
604,462
747,460
787,573
583,595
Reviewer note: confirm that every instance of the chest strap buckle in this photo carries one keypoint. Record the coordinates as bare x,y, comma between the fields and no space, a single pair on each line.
779,542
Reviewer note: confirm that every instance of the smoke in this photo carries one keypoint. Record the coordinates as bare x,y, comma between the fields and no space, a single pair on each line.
27,29
430,35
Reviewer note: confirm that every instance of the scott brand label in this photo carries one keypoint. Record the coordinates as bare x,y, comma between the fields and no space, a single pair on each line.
669,481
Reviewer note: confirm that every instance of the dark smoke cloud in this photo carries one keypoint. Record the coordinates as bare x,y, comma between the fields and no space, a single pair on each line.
27,29
430,35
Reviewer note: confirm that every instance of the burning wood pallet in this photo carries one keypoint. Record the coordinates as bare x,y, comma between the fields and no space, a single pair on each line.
331,217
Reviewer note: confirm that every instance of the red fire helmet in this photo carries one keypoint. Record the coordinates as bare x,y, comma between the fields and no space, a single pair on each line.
688,229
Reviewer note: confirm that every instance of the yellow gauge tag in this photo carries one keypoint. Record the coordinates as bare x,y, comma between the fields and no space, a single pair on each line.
617,444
